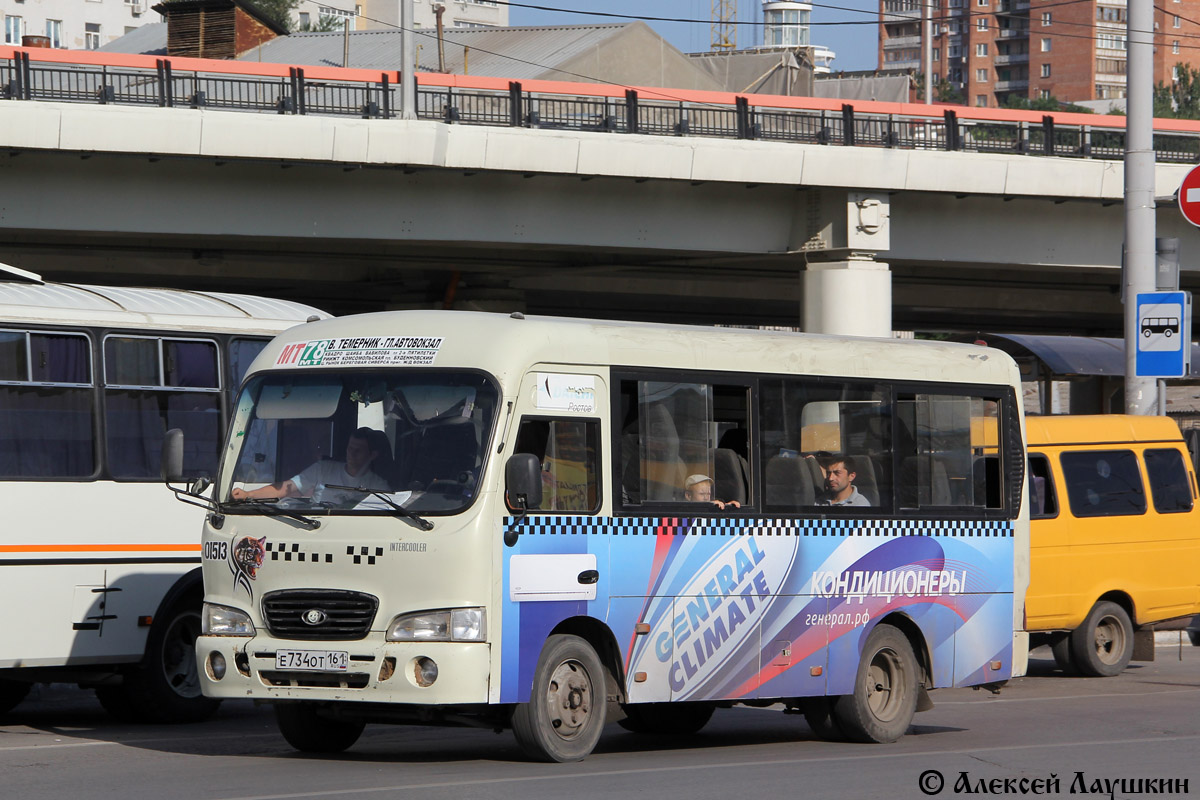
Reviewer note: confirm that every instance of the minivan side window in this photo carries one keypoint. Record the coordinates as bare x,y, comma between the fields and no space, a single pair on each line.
1169,484
1104,483
1043,501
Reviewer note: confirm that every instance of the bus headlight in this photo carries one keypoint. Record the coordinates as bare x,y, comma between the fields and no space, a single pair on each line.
218,620
446,625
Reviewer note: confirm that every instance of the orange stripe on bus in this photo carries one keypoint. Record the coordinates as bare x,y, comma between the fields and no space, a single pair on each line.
96,548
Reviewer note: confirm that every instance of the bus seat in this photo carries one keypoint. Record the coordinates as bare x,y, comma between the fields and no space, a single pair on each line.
985,479
729,476
735,439
445,451
866,478
662,470
788,483
935,482
816,476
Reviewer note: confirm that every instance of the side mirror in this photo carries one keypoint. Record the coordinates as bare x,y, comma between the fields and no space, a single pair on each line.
199,485
172,456
523,481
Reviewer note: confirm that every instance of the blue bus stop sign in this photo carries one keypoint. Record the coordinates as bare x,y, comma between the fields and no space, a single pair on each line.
1164,334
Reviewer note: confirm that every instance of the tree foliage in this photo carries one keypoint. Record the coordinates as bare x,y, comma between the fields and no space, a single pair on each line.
1051,103
1179,99
324,23
943,90
278,11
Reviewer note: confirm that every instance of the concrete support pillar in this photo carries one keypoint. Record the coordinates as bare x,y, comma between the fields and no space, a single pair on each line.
849,298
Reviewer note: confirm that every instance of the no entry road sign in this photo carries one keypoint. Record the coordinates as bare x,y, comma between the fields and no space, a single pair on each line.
1189,196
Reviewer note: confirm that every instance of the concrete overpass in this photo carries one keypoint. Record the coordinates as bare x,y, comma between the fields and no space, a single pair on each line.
360,214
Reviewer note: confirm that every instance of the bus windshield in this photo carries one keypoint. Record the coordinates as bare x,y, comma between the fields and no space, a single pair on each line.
360,441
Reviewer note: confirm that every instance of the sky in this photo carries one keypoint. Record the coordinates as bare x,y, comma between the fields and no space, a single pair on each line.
855,44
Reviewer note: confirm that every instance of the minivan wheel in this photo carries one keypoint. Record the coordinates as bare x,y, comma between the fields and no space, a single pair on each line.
1103,645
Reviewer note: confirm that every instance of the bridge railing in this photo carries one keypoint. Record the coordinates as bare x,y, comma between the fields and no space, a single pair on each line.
89,77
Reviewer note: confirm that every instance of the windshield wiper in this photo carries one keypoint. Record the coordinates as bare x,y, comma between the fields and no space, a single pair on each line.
400,510
263,506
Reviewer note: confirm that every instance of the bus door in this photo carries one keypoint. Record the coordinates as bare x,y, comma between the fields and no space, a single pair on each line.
558,566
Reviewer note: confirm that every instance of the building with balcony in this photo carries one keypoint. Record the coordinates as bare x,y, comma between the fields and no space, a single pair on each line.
985,52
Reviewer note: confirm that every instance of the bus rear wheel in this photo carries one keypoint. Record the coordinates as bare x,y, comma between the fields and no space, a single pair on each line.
565,714
165,687
818,713
885,690
309,731
666,719
1103,645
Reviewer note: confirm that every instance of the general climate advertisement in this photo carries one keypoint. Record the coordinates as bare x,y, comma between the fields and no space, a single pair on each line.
711,609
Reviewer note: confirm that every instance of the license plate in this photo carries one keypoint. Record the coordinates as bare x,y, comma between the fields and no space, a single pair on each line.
313,660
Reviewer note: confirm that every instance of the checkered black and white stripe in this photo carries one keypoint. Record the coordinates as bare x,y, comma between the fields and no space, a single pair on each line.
740,526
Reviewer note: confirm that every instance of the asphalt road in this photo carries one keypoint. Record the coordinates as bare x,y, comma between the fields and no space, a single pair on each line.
1144,723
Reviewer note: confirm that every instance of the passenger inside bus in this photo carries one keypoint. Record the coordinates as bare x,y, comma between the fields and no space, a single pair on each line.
840,472
364,446
699,489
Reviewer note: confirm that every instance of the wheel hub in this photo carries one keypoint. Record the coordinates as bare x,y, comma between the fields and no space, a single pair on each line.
569,699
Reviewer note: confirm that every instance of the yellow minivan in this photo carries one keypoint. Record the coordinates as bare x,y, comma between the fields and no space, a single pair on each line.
1114,537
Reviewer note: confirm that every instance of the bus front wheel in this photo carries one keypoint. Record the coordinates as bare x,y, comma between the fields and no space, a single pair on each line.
885,690
565,713
1103,645
307,730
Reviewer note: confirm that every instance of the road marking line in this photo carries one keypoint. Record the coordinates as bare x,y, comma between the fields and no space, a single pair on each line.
52,746
559,776
1065,697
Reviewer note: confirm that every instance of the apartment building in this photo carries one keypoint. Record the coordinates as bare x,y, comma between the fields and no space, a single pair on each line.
991,50
385,14
74,24
91,24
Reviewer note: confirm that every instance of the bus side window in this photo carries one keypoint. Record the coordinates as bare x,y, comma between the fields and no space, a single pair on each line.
1043,502
1169,484
47,428
569,452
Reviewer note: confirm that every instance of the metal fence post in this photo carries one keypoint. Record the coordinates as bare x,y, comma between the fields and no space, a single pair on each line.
631,111
745,122
684,127
514,104
1048,133
952,142
823,131
847,125
890,139
165,91
16,87
1022,137
1085,141
385,87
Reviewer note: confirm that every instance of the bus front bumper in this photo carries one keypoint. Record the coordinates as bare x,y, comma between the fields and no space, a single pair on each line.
375,671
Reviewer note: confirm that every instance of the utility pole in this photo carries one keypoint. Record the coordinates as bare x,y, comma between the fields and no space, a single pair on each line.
408,62
1139,262
927,36
438,10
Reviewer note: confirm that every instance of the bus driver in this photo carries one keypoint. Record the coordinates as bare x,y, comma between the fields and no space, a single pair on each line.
362,448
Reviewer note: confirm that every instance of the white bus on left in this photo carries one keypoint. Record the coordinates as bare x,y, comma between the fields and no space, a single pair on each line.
99,567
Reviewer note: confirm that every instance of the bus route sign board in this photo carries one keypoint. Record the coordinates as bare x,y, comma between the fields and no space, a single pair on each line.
1189,196
1164,343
